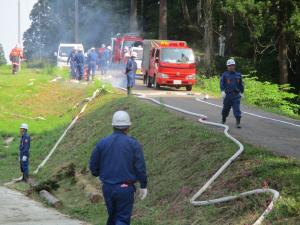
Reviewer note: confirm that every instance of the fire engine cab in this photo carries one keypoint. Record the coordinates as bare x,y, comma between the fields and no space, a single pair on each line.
122,44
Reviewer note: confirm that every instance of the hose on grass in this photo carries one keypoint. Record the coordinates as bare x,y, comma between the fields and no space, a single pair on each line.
194,199
42,164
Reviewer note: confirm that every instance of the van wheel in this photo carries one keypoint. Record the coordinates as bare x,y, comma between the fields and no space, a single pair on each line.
156,85
148,82
189,87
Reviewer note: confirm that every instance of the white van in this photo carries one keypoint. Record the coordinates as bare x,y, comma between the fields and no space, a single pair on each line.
63,53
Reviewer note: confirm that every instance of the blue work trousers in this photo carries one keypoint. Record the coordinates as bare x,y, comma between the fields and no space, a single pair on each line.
73,69
130,79
119,201
92,68
232,100
24,166
80,71
103,67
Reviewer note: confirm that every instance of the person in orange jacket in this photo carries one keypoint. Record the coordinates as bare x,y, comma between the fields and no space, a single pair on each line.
15,56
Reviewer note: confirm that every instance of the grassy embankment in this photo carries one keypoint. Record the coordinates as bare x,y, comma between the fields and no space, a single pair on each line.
46,106
181,155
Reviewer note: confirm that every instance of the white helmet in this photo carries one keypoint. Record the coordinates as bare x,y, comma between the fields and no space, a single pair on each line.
121,119
109,47
103,45
24,126
133,54
230,62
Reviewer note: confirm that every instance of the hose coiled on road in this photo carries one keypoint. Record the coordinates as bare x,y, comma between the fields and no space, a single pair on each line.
193,200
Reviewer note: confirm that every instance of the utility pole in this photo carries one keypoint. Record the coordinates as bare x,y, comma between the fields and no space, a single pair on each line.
19,22
76,21
19,30
142,16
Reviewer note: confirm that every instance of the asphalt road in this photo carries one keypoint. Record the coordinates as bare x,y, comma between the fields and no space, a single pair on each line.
17,209
273,132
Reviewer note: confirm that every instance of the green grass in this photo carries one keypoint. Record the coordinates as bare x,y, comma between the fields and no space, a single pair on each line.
181,156
28,96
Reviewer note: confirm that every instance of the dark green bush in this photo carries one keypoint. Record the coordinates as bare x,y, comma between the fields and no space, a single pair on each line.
262,94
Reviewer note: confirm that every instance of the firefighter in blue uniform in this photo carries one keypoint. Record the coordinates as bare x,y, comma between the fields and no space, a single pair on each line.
119,163
80,59
232,88
92,63
71,60
104,60
24,151
131,68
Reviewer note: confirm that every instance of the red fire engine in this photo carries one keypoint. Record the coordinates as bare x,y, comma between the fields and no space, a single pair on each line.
121,45
168,63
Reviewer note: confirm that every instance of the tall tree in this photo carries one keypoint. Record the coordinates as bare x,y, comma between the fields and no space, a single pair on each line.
205,17
133,16
283,10
163,19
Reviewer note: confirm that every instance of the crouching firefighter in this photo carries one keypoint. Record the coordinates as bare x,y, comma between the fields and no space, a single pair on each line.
232,88
24,151
131,68
119,163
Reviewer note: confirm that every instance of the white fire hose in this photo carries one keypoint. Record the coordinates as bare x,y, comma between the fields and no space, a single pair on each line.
42,164
194,198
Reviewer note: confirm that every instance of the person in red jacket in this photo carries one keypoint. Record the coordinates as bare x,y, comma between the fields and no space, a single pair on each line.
15,56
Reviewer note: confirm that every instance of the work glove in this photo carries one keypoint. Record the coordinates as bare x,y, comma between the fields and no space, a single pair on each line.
223,94
24,158
143,193
242,95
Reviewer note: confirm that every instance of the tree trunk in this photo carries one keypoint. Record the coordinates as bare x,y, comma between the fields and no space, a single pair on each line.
208,37
229,34
163,24
133,16
185,11
282,59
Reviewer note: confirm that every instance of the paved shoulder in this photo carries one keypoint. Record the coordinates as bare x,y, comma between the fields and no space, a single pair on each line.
18,209
274,135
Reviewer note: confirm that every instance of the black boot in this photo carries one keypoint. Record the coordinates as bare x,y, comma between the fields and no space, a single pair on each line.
238,122
128,90
25,178
223,119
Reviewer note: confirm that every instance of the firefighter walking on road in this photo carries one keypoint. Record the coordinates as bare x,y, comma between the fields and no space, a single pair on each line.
119,163
79,59
71,60
131,68
92,63
24,151
232,88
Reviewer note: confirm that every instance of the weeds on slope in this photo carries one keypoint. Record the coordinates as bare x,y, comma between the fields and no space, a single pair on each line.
181,155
